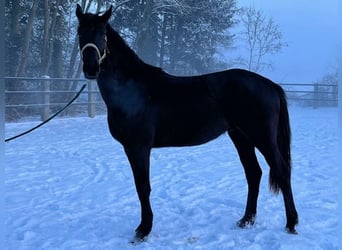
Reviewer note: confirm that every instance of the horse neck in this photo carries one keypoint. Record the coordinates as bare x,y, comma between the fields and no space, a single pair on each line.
122,57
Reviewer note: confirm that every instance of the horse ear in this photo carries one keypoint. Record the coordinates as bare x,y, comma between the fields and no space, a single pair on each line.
107,14
79,12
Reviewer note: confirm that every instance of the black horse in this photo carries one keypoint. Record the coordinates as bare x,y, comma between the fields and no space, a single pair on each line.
148,108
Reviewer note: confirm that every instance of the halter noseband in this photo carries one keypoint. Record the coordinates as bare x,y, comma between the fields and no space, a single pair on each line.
92,45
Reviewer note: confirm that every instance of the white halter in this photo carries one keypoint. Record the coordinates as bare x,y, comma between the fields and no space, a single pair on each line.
92,45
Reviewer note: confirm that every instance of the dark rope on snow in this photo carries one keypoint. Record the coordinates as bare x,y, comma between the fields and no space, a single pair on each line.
50,118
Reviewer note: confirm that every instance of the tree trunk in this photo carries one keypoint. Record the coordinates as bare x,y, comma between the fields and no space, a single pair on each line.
52,37
46,40
57,55
162,42
99,5
77,75
176,30
28,35
73,57
146,40
13,44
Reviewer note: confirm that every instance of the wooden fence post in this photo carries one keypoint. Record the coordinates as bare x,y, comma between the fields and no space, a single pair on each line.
45,98
315,96
91,99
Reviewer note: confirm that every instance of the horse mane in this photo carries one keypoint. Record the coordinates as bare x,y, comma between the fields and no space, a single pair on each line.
125,58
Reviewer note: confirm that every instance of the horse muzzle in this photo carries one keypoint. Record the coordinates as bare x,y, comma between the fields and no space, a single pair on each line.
91,68
91,71
91,75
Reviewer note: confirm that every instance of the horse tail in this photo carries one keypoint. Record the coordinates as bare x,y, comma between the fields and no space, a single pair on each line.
284,142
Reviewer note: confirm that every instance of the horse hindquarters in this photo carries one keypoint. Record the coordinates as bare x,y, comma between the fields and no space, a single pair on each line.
283,179
280,180
257,108
276,150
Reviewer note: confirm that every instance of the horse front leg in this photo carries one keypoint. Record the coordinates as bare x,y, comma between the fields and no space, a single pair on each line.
139,159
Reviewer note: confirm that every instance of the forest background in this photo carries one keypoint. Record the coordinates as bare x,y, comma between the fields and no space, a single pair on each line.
183,37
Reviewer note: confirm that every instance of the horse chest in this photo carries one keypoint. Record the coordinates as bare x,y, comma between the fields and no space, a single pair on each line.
128,131
125,99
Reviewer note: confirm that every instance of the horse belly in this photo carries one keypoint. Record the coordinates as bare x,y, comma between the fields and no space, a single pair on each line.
188,129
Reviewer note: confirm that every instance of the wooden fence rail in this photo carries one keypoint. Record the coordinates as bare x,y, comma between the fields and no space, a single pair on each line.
30,96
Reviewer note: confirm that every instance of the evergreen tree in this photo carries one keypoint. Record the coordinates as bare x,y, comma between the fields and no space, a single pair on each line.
180,36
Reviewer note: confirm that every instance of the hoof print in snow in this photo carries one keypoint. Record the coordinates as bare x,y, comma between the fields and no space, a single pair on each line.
192,239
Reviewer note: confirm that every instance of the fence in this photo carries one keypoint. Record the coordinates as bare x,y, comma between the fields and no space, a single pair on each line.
40,97
315,95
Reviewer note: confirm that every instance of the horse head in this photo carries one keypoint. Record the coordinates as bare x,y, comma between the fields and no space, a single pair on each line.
92,40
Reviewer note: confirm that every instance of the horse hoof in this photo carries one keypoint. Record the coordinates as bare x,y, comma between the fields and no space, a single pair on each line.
291,230
247,220
139,237
137,240
141,234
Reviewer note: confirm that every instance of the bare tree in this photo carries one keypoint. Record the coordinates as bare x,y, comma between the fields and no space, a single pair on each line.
262,36
51,26
13,44
28,35
46,37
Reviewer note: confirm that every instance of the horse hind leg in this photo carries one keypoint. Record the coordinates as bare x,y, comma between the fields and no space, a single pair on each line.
280,180
253,174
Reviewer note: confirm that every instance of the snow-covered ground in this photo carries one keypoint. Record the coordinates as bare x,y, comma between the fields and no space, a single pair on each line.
68,185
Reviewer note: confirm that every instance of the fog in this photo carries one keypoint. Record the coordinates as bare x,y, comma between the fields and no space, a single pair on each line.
310,28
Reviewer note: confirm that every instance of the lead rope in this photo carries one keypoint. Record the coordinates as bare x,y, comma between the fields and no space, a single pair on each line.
51,117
